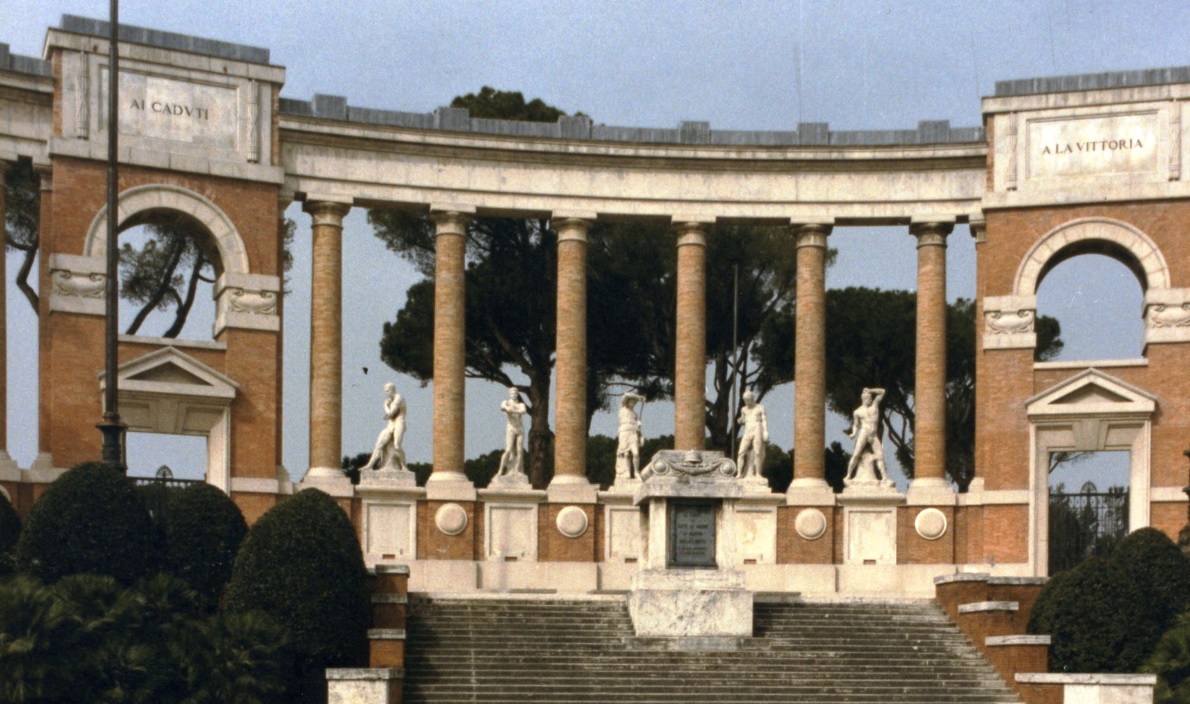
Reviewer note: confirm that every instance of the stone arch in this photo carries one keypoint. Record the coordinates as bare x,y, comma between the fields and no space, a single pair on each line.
142,200
1118,240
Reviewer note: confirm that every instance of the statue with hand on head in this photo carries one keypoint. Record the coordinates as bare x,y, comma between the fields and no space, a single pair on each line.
865,428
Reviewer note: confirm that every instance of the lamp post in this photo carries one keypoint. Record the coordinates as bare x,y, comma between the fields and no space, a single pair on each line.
111,427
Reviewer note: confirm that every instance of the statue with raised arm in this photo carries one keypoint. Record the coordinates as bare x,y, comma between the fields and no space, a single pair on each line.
629,437
750,458
388,453
867,459
513,460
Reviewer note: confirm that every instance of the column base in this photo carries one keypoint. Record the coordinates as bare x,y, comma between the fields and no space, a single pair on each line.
569,489
377,685
449,486
930,491
9,471
328,479
810,492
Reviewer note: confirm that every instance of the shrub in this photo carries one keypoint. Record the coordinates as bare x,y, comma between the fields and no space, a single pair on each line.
10,532
89,521
1090,612
301,564
1171,663
203,531
1162,574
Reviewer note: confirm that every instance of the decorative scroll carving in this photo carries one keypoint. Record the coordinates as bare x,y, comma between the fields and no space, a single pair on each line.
1163,315
1009,322
253,302
997,322
78,284
692,463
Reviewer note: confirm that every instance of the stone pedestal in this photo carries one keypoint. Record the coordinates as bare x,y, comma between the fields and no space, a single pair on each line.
510,520
375,685
689,584
690,603
870,524
388,511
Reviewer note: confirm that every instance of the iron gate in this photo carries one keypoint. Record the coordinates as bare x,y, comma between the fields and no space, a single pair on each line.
1088,523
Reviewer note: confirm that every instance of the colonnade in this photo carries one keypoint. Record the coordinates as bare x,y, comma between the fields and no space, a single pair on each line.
691,355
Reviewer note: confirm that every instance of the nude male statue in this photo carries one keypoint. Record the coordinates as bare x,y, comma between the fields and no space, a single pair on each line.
750,458
388,453
865,428
513,459
629,437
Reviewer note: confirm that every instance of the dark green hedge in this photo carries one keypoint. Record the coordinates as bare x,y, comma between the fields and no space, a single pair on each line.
10,533
1162,574
302,565
89,521
1107,615
203,531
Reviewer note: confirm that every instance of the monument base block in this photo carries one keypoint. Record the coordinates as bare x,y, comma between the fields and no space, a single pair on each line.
690,603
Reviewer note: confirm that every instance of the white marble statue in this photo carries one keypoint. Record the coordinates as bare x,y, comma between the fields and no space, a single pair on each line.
629,438
867,459
389,453
513,460
750,458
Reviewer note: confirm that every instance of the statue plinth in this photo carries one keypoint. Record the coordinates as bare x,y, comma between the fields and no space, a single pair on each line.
689,584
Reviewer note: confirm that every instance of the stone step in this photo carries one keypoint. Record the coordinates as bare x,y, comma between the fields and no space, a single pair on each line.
531,650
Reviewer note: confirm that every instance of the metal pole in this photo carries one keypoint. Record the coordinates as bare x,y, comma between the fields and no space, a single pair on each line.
111,427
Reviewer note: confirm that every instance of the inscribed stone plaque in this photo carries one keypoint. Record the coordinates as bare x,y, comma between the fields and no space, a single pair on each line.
180,111
692,535
1098,145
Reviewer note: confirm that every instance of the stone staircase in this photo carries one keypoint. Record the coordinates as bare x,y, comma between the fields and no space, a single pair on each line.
552,650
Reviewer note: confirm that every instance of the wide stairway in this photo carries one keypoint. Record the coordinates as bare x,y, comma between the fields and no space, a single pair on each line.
533,650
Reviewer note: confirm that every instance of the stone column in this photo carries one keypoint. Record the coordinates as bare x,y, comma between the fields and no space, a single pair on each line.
690,368
570,420
449,336
326,340
929,432
809,388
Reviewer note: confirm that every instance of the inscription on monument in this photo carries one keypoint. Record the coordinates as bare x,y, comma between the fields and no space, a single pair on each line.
180,111
1093,145
692,535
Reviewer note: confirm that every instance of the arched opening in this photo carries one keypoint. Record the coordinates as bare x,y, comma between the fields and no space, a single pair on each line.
1095,290
168,267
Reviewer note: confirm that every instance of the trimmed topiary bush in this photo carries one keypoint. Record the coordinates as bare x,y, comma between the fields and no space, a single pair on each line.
89,521
1162,574
203,531
1170,661
1090,612
302,565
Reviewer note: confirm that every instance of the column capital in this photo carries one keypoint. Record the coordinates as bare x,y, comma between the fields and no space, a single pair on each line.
931,233
691,231
979,229
450,222
325,212
572,228
812,234
45,177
